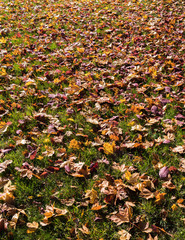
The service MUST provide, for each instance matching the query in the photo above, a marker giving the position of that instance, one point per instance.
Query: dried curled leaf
(3, 127)
(32, 227)
(84, 229)
(123, 216)
(4, 165)
(124, 235)
(92, 194)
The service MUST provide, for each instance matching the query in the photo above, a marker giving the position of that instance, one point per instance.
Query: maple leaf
(74, 144)
(159, 197)
(109, 148)
(92, 194)
(120, 217)
(145, 193)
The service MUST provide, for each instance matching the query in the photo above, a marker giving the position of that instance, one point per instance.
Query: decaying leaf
(151, 238)
(50, 212)
(84, 229)
(92, 194)
(178, 149)
(4, 165)
(3, 127)
(7, 196)
(163, 173)
(124, 235)
(146, 193)
(14, 220)
(123, 216)
(32, 227)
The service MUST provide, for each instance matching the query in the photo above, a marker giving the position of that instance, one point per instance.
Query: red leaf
(33, 155)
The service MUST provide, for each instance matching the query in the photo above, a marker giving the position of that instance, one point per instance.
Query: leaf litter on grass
(92, 117)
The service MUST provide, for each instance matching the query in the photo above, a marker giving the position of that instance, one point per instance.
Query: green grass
(71, 50)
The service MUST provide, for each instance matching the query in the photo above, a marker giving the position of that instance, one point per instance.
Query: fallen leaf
(92, 194)
(84, 230)
(159, 197)
(163, 173)
(4, 165)
(120, 217)
(32, 227)
(124, 235)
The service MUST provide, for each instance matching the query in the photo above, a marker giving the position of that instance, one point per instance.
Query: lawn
(92, 120)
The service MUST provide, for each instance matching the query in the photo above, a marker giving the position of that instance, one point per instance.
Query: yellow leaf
(174, 207)
(127, 175)
(32, 82)
(40, 157)
(46, 140)
(92, 194)
(74, 144)
(80, 50)
(159, 198)
(2, 40)
(132, 123)
(109, 148)
(3, 72)
(32, 227)
(56, 81)
(70, 119)
(48, 214)
(122, 100)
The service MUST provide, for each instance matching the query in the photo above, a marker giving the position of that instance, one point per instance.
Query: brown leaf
(120, 217)
(4, 165)
(92, 194)
(124, 235)
(182, 165)
(168, 185)
(151, 238)
(32, 227)
(60, 212)
(144, 227)
(68, 202)
(178, 149)
(97, 206)
(25, 172)
(14, 220)
(145, 193)
(84, 229)
(2, 224)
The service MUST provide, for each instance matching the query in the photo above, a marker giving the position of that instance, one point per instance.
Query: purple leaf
(163, 173)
